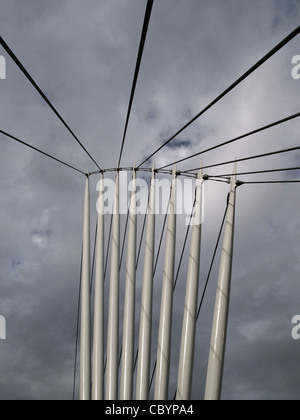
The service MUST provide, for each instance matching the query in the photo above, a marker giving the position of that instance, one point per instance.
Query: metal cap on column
(220, 320)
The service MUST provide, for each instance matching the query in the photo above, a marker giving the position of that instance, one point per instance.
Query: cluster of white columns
(92, 377)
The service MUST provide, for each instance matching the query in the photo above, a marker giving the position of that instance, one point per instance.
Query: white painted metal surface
(186, 360)
(220, 321)
(85, 326)
(98, 337)
(144, 354)
(165, 325)
(126, 386)
(113, 308)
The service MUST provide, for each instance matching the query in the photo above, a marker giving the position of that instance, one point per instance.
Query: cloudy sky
(83, 54)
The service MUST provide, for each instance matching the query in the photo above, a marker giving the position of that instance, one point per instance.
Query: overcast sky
(83, 54)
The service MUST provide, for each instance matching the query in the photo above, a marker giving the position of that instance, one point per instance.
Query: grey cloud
(82, 53)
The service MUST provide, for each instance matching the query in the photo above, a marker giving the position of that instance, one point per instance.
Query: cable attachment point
(239, 183)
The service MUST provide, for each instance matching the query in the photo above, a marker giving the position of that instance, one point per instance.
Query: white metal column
(165, 325)
(129, 305)
(220, 321)
(85, 327)
(98, 341)
(144, 354)
(186, 360)
(113, 310)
